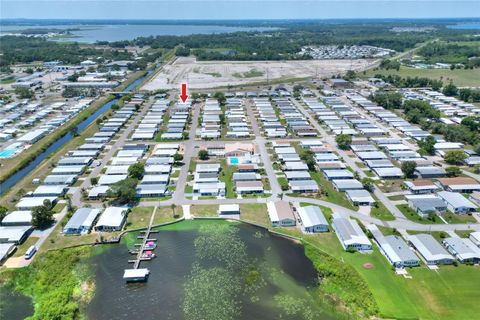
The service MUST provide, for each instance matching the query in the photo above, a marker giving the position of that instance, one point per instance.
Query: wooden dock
(145, 240)
(145, 237)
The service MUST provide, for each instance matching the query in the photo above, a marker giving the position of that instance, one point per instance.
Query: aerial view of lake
(93, 33)
(210, 270)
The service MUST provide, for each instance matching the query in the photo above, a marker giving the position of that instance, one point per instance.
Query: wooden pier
(130, 274)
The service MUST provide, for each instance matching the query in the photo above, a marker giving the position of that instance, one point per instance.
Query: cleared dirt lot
(212, 74)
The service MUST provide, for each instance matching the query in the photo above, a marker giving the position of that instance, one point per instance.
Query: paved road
(330, 139)
(190, 151)
(77, 194)
(192, 145)
(260, 141)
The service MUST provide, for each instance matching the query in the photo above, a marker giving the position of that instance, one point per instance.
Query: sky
(236, 9)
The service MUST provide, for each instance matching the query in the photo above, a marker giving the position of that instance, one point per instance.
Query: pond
(13, 305)
(209, 270)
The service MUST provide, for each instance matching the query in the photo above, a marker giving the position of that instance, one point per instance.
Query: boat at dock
(147, 255)
(150, 245)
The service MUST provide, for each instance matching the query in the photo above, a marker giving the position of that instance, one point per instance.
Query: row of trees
(27, 49)
(411, 82)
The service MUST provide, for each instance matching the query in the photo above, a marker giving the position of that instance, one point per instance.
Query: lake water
(465, 26)
(93, 33)
(14, 306)
(272, 279)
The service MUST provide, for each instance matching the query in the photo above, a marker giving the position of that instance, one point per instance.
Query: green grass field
(410, 214)
(460, 77)
(381, 212)
(204, 210)
(140, 216)
(255, 212)
(329, 192)
(226, 175)
(448, 293)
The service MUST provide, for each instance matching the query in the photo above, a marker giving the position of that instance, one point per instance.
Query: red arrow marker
(184, 95)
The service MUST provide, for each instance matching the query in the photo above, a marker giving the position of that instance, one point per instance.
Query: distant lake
(93, 33)
(465, 26)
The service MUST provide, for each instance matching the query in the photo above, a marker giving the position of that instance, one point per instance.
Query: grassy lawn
(204, 210)
(449, 293)
(59, 207)
(397, 198)
(458, 218)
(463, 233)
(390, 185)
(370, 173)
(360, 164)
(140, 216)
(388, 231)
(188, 189)
(255, 212)
(57, 240)
(21, 249)
(438, 235)
(283, 182)
(175, 174)
(226, 175)
(412, 215)
(327, 212)
(460, 77)
(379, 211)
(329, 192)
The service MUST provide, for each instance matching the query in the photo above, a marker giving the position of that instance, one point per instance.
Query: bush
(341, 280)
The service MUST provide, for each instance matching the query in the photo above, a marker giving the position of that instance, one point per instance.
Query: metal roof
(349, 231)
(312, 216)
(83, 217)
(112, 217)
(456, 200)
(428, 247)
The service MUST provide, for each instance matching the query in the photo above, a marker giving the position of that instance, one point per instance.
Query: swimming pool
(7, 153)
(233, 160)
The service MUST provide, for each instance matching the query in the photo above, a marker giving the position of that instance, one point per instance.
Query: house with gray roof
(349, 233)
(431, 251)
(463, 249)
(312, 219)
(426, 204)
(81, 221)
(456, 202)
(394, 248)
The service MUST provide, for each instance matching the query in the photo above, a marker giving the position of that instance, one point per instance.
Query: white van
(30, 252)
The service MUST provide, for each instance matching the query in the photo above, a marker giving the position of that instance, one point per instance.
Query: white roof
(30, 202)
(135, 273)
(428, 247)
(228, 208)
(349, 231)
(456, 200)
(111, 179)
(13, 234)
(312, 216)
(18, 217)
(112, 217)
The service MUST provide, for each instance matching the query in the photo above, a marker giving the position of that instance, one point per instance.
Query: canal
(17, 176)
